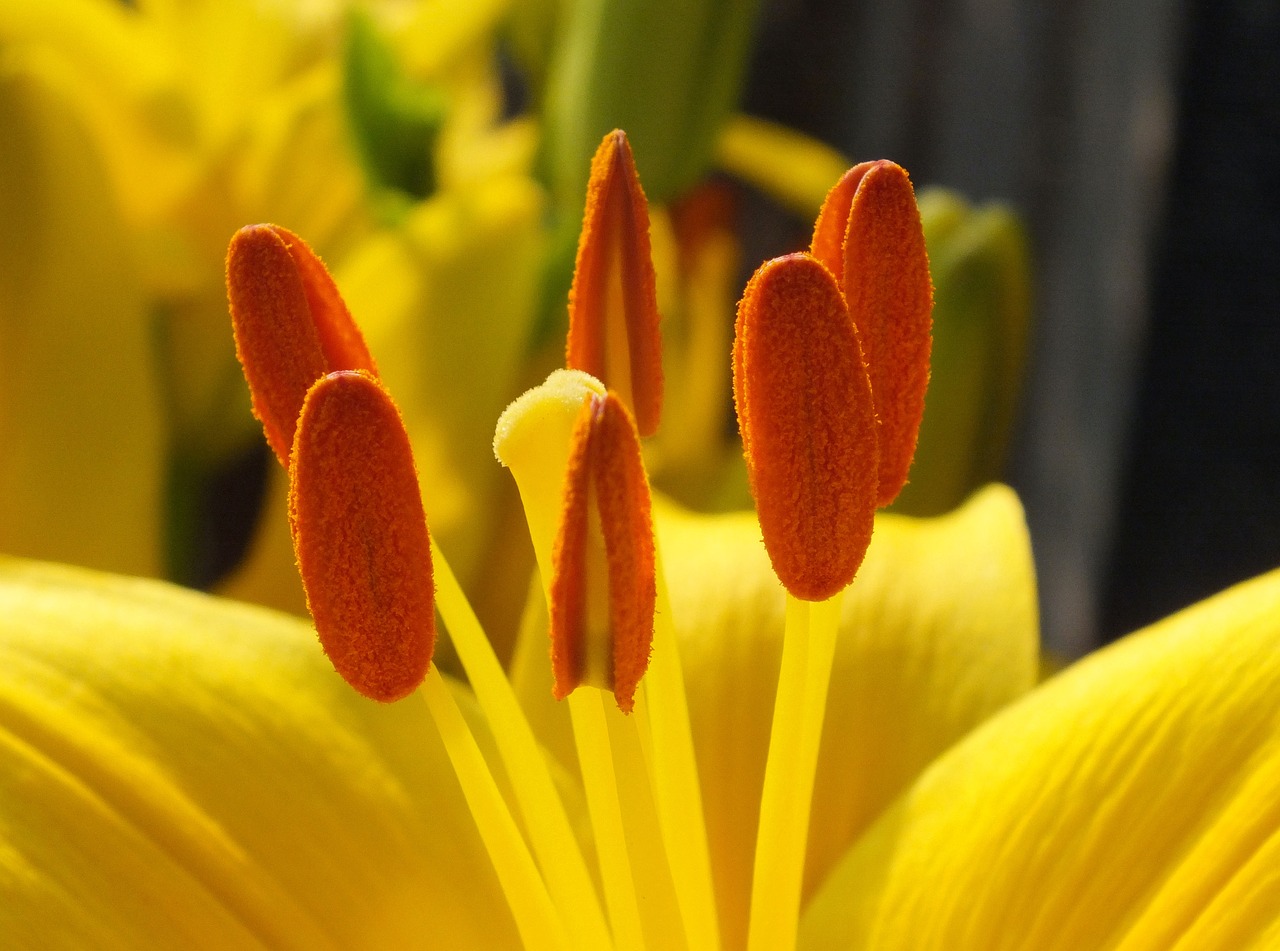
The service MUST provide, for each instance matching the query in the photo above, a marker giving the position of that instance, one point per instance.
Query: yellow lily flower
(187, 772)
(181, 771)
(188, 119)
(367, 562)
(164, 126)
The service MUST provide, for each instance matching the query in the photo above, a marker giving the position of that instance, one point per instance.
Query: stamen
(605, 468)
(622, 492)
(291, 326)
(808, 650)
(540, 923)
(568, 590)
(869, 236)
(833, 221)
(589, 715)
(360, 536)
(805, 412)
(554, 844)
(613, 306)
(674, 773)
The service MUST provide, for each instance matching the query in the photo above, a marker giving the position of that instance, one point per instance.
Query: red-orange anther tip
(833, 221)
(613, 305)
(360, 536)
(622, 492)
(805, 412)
(604, 465)
(869, 234)
(291, 326)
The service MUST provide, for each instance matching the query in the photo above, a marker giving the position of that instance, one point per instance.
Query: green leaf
(394, 120)
(667, 73)
(978, 259)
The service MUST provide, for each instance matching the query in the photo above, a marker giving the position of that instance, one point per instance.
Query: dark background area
(1200, 502)
(1140, 140)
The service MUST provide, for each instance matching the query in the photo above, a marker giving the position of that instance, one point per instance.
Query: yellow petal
(121, 75)
(698, 284)
(1131, 802)
(105, 39)
(437, 34)
(179, 771)
(938, 631)
(227, 53)
(79, 400)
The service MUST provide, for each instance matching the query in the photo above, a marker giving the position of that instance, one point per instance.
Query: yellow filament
(662, 921)
(536, 918)
(595, 758)
(545, 819)
(808, 649)
(673, 773)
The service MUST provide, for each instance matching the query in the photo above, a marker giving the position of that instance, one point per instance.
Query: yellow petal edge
(1131, 802)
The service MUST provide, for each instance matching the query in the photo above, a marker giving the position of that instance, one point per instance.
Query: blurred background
(1140, 140)
(1099, 182)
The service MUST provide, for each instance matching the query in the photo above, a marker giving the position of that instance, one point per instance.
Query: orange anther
(291, 326)
(605, 479)
(833, 221)
(613, 306)
(567, 592)
(360, 536)
(804, 409)
(870, 237)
